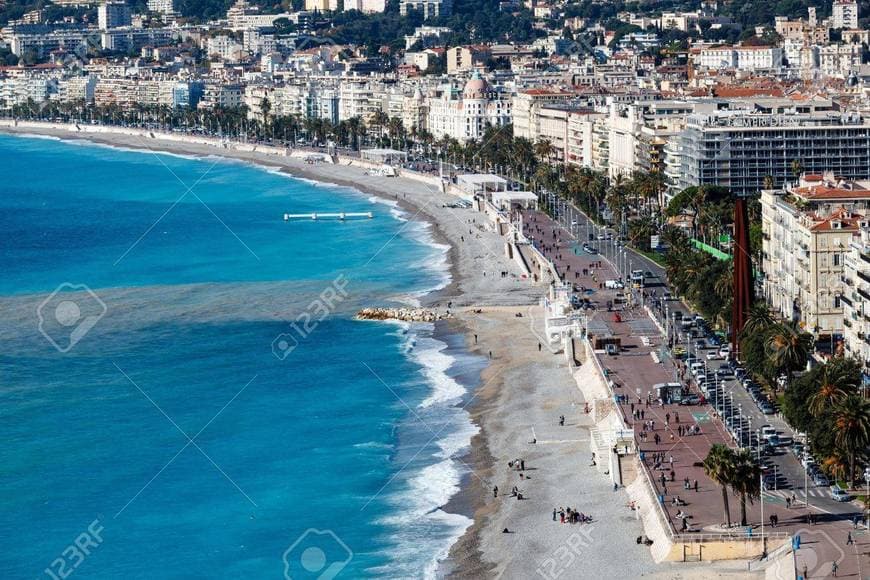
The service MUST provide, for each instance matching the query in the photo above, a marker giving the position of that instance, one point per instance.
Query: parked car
(690, 400)
(838, 494)
(611, 349)
(713, 355)
(821, 481)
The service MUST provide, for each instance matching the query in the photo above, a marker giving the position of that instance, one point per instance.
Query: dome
(475, 88)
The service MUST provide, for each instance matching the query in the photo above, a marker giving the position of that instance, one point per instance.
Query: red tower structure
(743, 287)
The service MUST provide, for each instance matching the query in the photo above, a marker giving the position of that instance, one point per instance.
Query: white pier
(316, 216)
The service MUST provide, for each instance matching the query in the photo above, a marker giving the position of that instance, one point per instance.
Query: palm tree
(788, 348)
(719, 467)
(836, 465)
(759, 319)
(852, 422)
(379, 119)
(747, 480)
(836, 382)
(544, 150)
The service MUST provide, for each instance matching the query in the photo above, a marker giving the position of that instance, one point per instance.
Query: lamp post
(761, 494)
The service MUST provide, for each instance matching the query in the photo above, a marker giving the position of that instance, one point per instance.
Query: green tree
(746, 481)
(852, 422)
(719, 466)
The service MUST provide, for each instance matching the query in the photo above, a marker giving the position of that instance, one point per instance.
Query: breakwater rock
(403, 314)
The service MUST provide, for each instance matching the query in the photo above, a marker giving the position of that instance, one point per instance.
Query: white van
(614, 284)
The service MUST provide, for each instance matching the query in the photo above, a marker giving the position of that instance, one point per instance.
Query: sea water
(183, 390)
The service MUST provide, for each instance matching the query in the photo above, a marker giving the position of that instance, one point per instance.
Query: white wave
(38, 136)
(383, 201)
(424, 532)
(445, 389)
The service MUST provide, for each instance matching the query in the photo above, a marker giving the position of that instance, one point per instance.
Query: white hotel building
(465, 116)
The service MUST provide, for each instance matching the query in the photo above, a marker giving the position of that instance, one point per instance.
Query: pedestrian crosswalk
(779, 495)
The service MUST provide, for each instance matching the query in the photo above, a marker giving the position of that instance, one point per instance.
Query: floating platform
(317, 216)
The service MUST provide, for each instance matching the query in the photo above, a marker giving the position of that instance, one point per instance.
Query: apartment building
(580, 147)
(429, 8)
(133, 39)
(856, 298)
(526, 104)
(113, 14)
(746, 58)
(42, 39)
(844, 14)
(740, 148)
(807, 231)
(162, 6)
(465, 58)
(225, 95)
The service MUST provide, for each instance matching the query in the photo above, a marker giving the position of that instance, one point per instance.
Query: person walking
(554, 514)
(849, 540)
(495, 491)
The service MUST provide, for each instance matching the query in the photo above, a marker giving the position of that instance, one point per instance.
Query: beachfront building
(856, 299)
(465, 116)
(807, 230)
(739, 149)
(483, 184)
(526, 104)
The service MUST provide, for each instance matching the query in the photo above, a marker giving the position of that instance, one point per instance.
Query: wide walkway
(672, 453)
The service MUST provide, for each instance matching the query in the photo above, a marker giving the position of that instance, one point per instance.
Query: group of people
(570, 516)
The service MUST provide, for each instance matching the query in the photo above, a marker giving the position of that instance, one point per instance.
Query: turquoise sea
(183, 390)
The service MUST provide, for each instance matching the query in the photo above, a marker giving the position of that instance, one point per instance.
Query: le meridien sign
(779, 120)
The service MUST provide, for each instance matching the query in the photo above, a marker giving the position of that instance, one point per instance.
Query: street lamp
(761, 482)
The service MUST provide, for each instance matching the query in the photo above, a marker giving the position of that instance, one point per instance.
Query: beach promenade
(671, 455)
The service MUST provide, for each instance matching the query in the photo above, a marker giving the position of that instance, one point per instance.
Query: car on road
(766, 408)
(690, 400)
(839, 494)
(679, 351)
(821, 481)
(613, 284)
(713, 355)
